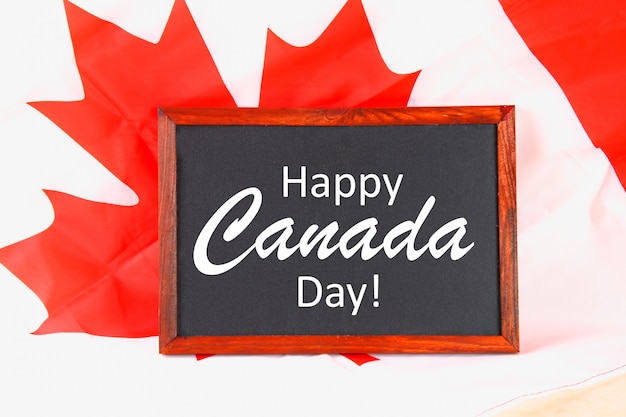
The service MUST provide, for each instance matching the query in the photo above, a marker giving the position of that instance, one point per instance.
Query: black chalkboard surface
(373, 230)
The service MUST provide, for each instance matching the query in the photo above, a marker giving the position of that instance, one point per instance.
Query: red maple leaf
(96, 267)
(342, 68)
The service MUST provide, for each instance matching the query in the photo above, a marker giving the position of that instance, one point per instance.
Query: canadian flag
(80, 85)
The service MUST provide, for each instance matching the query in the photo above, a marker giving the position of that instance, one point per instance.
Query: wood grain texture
(507, 218)
(338, 344)
(339, 117)
(502, 116)
(167, 213)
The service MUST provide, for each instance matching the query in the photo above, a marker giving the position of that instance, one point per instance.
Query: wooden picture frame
(172, 341)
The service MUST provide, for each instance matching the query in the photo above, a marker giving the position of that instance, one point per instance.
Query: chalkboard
(337, 230)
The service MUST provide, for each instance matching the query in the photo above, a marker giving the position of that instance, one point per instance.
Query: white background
(571, 220)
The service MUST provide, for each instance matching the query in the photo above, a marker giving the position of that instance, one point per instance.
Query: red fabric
(96, 267)
(583, 45)
(360, 358)
(342, 68)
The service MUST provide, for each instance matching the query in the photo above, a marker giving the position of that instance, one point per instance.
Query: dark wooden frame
(503, 116)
